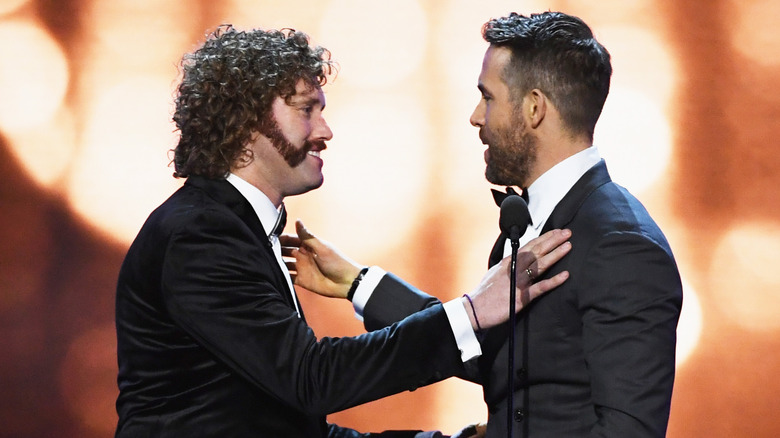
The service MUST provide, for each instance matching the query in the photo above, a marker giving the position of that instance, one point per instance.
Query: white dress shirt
(550, 188)
(268, 215)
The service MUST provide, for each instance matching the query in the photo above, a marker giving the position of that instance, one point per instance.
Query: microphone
(513, 221)
(514, 217)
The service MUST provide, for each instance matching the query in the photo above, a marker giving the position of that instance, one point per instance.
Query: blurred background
(690, 126)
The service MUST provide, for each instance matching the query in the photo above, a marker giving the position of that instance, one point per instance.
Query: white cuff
(467, 341)
(365, 289)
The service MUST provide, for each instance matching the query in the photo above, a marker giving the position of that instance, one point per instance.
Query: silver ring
(530, 273)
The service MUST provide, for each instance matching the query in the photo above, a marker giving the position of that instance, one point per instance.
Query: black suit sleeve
(218, 285)
(393, 300)
(630, 300)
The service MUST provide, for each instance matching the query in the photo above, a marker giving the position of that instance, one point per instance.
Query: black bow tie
(497, 253)
(499, 196)
(281, 221)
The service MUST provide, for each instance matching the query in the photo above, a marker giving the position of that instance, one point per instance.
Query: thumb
(303, 233)
(309, 242)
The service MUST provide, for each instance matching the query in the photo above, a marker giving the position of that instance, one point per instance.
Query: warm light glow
(141, 34)
(755, 34)
(634, 132)
(458, 404)
(273, 14)
(127, 86)
(87, 379)
(641, 60)
(8, 6)
(374, 169)
(121, 172)
(634, 138)
(458, 52)
(376, 43)
(690, 325)
(46, 154)
(744, 279)
(33, 76)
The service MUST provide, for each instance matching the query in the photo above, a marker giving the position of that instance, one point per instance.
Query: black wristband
(355, 283)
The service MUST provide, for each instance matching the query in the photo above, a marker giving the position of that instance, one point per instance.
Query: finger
(289, 240)
(303, 232)
(547, 284)
(541, 265)
(547, 242)
(291, 265)
(545, 253)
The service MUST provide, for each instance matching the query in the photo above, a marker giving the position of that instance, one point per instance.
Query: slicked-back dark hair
(227, 88)
(557, 54)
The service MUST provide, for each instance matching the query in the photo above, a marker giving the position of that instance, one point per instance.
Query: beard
(512, 151)
(291, 154)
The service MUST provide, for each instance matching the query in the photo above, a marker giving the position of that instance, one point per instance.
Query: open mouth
(314, 153)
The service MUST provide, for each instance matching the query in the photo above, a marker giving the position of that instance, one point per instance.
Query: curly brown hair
(227, 88)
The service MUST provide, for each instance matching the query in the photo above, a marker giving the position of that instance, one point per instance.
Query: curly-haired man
(212, 341)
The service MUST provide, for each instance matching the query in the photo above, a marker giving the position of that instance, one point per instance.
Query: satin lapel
(564, 212)
(497, 253)
(224, 193)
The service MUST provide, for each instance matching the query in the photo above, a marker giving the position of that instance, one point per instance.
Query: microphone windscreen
(514, 213)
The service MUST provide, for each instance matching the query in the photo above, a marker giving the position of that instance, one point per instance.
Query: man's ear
(246, 155)
(244, 158)
(535, 107)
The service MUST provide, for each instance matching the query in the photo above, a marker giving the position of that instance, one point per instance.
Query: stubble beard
(512, 152)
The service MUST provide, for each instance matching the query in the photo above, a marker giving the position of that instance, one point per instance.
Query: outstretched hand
(491, 297)
(319, 266)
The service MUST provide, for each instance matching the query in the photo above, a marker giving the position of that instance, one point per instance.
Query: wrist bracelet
(355, 283)
(474, 312)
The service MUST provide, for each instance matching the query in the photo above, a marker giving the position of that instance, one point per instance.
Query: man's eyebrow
(482, 89)
(305, 100)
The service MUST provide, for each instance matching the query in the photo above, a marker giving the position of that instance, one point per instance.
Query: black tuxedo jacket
(210, 345)
(596, 356)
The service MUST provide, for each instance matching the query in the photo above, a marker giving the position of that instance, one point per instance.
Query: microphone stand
(514, 239)
(513, 222)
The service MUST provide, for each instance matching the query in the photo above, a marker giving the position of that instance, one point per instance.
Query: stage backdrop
(690, 127)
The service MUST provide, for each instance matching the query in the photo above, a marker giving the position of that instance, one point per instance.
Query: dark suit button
(521, 372)
(519, 415)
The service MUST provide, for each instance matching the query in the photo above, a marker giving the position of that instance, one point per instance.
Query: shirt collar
(550, 188)
(260, 203)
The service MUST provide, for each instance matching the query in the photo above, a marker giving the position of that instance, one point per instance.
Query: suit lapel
(564, 212)
(497, 253)
(224, 193)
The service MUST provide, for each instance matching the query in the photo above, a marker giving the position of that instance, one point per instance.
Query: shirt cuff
(366, 287)
(467, 341)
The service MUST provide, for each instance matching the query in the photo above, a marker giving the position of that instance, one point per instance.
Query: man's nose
(477, 118)
(322, 131)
